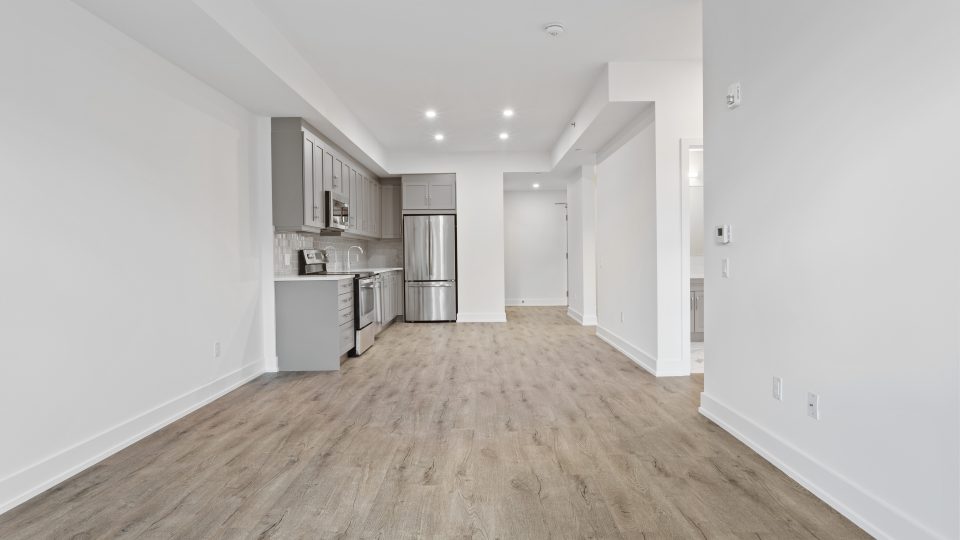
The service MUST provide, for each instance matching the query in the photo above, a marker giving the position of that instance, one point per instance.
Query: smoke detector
(554, 29)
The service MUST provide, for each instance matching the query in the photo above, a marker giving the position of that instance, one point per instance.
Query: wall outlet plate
(734, 95)
(813, 405)
(778, 388)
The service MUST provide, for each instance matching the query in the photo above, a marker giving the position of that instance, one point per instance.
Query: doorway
(694, 228)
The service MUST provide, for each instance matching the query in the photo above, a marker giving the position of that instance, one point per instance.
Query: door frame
(686, 144)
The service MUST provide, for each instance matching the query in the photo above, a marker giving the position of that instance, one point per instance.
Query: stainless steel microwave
(338, 211)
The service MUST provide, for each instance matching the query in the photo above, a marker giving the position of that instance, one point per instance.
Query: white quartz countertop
(335, 277)
(311, 278)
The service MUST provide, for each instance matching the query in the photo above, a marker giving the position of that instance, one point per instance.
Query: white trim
(660, 368)
(272, 364)
(482, 317)
(560, 301)
(685, 146)
(37, 478)
(874, 515)
(585, 320)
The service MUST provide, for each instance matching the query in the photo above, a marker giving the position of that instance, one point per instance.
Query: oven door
(366, 302)
(338, 211)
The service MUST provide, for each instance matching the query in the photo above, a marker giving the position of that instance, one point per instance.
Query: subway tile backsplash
(376, 253)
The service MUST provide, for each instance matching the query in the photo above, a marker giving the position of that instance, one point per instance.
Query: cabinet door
(368, 207)
(337, 176)
(388, 212)
(312, 197)
(377, 201)
(441, 197)
(355, 198)
(698, 311)
(415, 194)
(327, 171)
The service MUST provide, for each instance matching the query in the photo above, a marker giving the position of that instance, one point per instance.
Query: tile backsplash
(376, 253)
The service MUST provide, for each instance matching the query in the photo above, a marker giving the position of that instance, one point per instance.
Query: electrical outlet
(778, 388)
(621, 316)
(725, 267)
(216, 350)
(813, 405)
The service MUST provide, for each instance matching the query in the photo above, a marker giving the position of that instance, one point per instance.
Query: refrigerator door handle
(429, 248)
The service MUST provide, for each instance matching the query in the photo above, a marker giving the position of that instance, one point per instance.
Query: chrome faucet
(348, 255)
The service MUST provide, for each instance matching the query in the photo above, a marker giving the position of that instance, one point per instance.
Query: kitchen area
(353, 253)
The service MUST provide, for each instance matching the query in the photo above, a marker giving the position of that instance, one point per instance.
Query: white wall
(581, 235)
(131, 232)
(676, 90)
(835, 174)
(627, 246)
(535, 248)
(480, 262)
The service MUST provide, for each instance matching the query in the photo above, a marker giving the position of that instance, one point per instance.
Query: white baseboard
(660, 368)
(562, 301)
(482, 317)
(37, 478)
(585, 320)
(272, 365)
(877, 517)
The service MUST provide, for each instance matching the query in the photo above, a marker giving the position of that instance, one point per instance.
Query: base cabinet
(315, 328)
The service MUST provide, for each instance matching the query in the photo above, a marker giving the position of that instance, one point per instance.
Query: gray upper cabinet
(415, 194)
(305, 166)
(297, 170)
(390, 211)
(429, 192)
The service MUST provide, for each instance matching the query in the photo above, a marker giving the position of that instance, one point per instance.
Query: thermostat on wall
(723, 234)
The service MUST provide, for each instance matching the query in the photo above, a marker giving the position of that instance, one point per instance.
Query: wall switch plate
(621, 316)
(813, 405)
(778, 388)
(725, 267)
(216, 350)
(734, 96)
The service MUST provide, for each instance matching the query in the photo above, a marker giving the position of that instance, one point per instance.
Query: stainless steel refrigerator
(430, 267)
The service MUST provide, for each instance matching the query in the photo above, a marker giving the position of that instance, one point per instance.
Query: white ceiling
(388, 61)
(546, 181)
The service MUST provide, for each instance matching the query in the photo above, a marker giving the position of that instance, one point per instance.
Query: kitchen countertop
(335, 277)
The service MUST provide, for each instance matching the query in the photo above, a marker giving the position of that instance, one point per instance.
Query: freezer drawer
(431, 301)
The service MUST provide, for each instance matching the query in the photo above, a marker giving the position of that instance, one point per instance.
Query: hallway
(531, 429)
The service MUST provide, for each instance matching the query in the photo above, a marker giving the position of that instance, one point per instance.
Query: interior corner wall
(535, 248)
(837, 174)
(626, 247)
(581, 235)
(131, 231)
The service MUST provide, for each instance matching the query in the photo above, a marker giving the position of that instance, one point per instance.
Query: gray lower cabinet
(696, 309)
(391, 297)
(315, 329)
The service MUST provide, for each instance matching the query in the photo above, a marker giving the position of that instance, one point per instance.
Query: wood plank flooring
(530, 429)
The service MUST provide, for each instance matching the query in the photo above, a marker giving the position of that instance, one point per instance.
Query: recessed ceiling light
(430, 113)
(508, 113)
(438, 137)
(504, 136)
(536, 186)
(554, 29)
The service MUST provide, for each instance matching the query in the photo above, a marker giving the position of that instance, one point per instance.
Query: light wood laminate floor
(530, 429)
